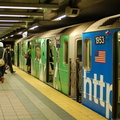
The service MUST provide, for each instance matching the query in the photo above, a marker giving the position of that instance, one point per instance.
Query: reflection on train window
(65, 52)
(79, 50)
(87, 54)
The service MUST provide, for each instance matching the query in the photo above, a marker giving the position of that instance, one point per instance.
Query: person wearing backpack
(3, 54)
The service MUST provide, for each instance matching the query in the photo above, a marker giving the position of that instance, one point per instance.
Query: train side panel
(97, 72)
(42, 64)
(16, 54)
(61, 76)
(23, 47)
(36, 49)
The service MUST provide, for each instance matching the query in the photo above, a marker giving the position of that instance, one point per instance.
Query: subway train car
(81, 61)
(68, 49)
(20, 48)
(101, 67)
(54, 55)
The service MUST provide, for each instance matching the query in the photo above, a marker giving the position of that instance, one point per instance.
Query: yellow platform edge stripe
(74, 108)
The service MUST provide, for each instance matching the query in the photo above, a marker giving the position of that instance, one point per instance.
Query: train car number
(100, 40)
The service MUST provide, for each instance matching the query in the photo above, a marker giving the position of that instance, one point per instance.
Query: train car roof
(50, 33)
(77, 30)
(24, 39)
(111, 22)
(47, 34)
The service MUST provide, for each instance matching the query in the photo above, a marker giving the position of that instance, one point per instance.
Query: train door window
(79, 50)
(66, 52)
(87, 54)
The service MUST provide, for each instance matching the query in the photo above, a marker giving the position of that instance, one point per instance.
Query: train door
(49, 62)
(43, 68)
(22, 51)
(37, 57)
(116, 77)
(28, 63)
(16, 54)
(17, 49)
(61, 76)
(75, 69)
(79, 70)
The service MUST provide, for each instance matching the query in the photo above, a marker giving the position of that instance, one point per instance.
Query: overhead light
(24, 34)
(13, 15)
(19, 33)
(11, 35)
(34, 27)
(59, 18)
(13, 7)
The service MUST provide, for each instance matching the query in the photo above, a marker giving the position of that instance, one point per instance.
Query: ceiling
(18, 16)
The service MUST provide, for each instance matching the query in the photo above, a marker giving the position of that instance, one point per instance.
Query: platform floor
(23, 97)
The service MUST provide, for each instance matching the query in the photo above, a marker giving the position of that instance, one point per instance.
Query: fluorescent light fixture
(13, 15)
(59, 18)
(13, 7)
(11, 35)
(34, 27)
(25, 34)
(20, 33)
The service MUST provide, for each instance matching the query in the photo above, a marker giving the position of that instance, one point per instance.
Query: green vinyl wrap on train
(61, 66)
(40, 61)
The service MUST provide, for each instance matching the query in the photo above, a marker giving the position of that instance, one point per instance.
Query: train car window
(79, 50)
(87, 54)
(110, 21)
(66, 52)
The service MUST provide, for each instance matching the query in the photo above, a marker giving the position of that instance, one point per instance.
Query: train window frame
(77, 46)
(87, 54)
(65, 46)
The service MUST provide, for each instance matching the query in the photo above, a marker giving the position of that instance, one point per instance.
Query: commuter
(28, 63)
(9, 54)
(3, 54)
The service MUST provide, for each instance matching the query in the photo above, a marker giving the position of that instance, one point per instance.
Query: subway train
(82, 61)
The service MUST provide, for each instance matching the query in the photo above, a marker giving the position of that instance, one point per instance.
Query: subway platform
(23, 97)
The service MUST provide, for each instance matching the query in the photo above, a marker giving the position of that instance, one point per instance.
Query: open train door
(75, 73)
(49, 62)
(79, 71)
(116, 76)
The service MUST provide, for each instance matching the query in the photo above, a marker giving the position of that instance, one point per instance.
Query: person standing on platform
(9, 54)
(3, 54)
